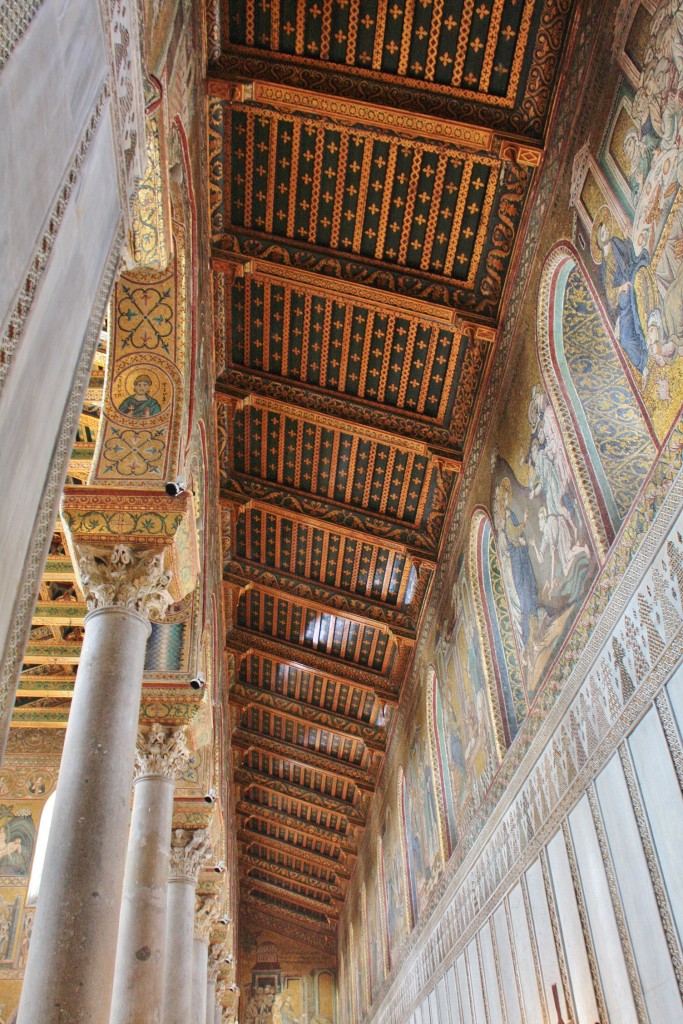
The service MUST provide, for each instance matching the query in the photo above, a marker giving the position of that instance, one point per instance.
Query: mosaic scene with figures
(341, 644)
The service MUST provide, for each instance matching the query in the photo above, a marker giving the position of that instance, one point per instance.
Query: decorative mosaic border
(17, 15)
(42, 531)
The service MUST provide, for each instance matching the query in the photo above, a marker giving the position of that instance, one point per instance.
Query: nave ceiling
(369, 167)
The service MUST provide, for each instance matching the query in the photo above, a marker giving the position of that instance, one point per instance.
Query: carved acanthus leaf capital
(189, 852)
(161, 751)
(126, 577)
(205, 916)
(218, 951)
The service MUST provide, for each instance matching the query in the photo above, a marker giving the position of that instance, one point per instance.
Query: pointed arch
(507, 696)
(395, 871)
(611, 445)
(439, 749)
(408, 869)
(381, 898)
(367, 958)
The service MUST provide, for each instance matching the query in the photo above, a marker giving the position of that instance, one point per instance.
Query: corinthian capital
(161, 751)
(126, 577)
(205, 916)
(217, 954)
(189, 851)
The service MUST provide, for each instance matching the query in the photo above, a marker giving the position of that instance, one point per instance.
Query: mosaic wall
(277, 985)
(28, 778)
(581, 452)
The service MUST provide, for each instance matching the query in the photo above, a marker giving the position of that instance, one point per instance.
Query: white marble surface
(601, 918)
(48, 89)
(640, 906)
(572, 934)
(39, 383)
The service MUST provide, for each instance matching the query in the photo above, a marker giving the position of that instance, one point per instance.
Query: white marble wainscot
(569, 900)
(71, 101)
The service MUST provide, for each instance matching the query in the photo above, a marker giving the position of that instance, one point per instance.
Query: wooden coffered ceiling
(369, 166)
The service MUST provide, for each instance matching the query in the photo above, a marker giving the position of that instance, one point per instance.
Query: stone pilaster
(189, 851)
(138, 982)
(70, 969)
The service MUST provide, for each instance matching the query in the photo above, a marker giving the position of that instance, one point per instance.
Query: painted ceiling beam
(272, 889)
(249, 739)
(378, 301)
(342, 425)
(248, 777)
(59, 613)
(63, 652)
(310, 933)
(247, 837)
(324, 903)
(243, 641)
(299, 877)
(233, 79)
(262, 812)
(372, 736)
(58, 569)
(320, 598)
(239, 381)
(417, 557)
(237, 489)
(338, 602)
(46, 686)
(50, 717)
(288, 914)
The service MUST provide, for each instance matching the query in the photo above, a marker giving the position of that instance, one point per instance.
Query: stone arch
(507, 698)
(610, 451)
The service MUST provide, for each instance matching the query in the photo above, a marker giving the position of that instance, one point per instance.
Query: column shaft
(210, 1001)
(179, 949)
(138, 982)
(200, 964)
(70, 969)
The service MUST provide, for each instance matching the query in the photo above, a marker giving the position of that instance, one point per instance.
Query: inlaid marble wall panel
(660, 792)
(637, 897)
(442, 1001)
(603, 924)
(524, 954)
(510, 993)
(452, 996)
(463, 987)
(572, 937)
(489, 976)
(434, 1007)
(475, 981)
(546, 953)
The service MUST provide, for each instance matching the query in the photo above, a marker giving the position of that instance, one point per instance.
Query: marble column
(189, 851)
(205, 917)
(139, 974)
(217, 954)
(70, 969)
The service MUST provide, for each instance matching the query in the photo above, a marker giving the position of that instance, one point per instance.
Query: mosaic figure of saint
(140, 405)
